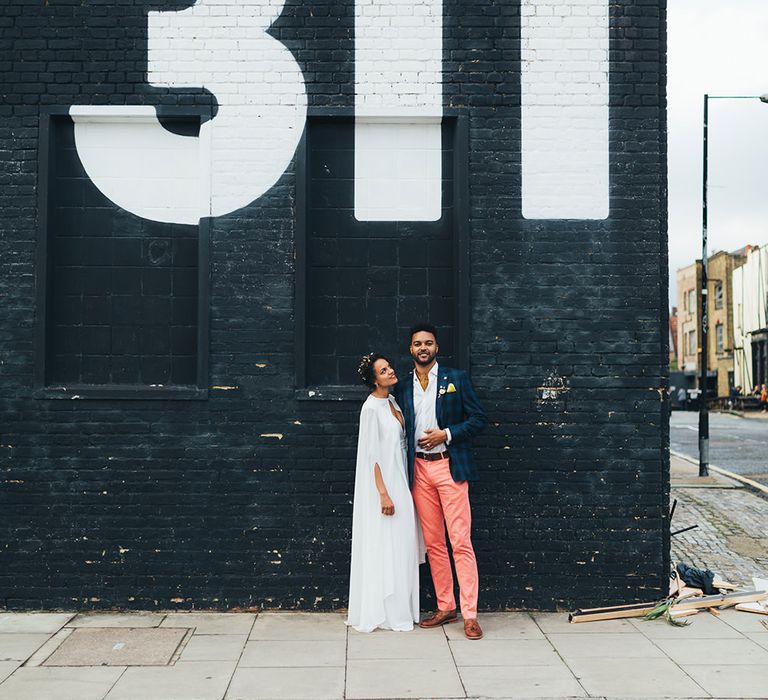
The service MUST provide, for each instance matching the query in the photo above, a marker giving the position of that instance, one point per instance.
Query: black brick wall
(244, 499)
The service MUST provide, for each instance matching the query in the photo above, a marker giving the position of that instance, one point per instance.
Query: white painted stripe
(565, 148)
(398, 74)
(398, 169)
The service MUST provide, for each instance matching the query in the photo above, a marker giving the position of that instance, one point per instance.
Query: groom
(442, 415)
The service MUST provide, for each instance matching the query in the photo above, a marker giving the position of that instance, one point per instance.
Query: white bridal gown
(384, 576)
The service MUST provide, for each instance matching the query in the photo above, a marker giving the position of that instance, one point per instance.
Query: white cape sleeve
(370, 581)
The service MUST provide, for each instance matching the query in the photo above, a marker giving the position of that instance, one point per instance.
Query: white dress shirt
(424, 408)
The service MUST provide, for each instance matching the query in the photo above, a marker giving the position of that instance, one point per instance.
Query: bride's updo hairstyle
(365, 368)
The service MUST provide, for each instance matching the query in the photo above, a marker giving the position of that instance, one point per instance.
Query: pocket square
(451, 388)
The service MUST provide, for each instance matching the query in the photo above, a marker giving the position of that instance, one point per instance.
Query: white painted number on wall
(223, 46)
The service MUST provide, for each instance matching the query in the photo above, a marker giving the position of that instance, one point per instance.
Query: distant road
(737, 444)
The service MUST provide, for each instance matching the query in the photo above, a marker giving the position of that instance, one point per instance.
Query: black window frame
(461, 258)
(41, 390)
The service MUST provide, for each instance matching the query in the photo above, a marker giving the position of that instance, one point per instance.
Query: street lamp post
(704, 352)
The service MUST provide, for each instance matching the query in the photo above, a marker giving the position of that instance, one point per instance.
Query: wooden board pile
(685, 601)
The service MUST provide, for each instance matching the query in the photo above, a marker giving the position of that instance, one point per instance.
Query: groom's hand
(432, 437)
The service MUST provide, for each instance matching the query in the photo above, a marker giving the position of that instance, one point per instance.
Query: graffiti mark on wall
(223, 46)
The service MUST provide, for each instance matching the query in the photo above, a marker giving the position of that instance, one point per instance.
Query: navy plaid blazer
(459, 411)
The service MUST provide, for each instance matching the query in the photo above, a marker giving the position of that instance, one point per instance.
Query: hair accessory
(365, 363)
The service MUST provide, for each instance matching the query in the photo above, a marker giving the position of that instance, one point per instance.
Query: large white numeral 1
(223, 46)
(398, 109)
(564, 55)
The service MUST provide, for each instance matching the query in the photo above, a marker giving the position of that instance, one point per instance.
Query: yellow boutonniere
(451, 388)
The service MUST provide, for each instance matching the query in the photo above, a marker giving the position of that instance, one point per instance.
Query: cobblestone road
(732, 537)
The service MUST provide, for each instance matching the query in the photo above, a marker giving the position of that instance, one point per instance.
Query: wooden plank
(752, 608)
(723, 600)
(618, 612)
(614, 614)
(724, 585)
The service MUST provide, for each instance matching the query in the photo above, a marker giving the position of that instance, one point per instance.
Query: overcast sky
(719, 47)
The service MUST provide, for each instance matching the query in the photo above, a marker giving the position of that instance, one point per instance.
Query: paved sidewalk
(295, 656)
(313, 655)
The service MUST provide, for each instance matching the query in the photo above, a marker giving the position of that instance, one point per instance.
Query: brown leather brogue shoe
(441, 617)
(472, 629)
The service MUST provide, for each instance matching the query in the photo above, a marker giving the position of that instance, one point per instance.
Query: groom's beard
(423, 362)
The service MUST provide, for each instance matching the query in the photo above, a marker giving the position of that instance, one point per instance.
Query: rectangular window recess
(122, 307)
(361, 284)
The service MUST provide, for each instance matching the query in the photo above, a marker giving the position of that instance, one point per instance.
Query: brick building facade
(210, 209)
(720, 311)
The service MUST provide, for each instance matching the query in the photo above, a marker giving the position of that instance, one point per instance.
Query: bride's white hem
(380, 626)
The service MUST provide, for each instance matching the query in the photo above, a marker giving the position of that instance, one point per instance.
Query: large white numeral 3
(221, 45)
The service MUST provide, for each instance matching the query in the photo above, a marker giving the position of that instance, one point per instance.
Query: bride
(384, 575)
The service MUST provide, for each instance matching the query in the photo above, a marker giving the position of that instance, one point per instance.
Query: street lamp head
(764, 97)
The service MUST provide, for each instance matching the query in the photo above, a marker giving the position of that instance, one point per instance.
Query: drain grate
(116, 646)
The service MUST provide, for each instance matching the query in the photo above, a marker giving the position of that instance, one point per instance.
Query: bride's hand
(387, 507)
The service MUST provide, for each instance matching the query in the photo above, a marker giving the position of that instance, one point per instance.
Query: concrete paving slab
(515, 625)
(745, 681)
(59, 683)
(503, 652)
(16, 646)
(760, 638)
(724, 652)
(520, 681)
(214, 647)
(33, 622)
(211, 623)
(131, 619)
(557, 623)
(634, 678)
(414, 678)
(117, 647)
(192, 680)
(399, 645)
(605, 646)
(290, 654)
(39, 657)
(703, 626)
(744, 622)
(312, 627)
(7, 668)
(277, 684)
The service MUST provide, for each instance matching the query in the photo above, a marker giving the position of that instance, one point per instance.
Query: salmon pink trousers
(441, 501)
